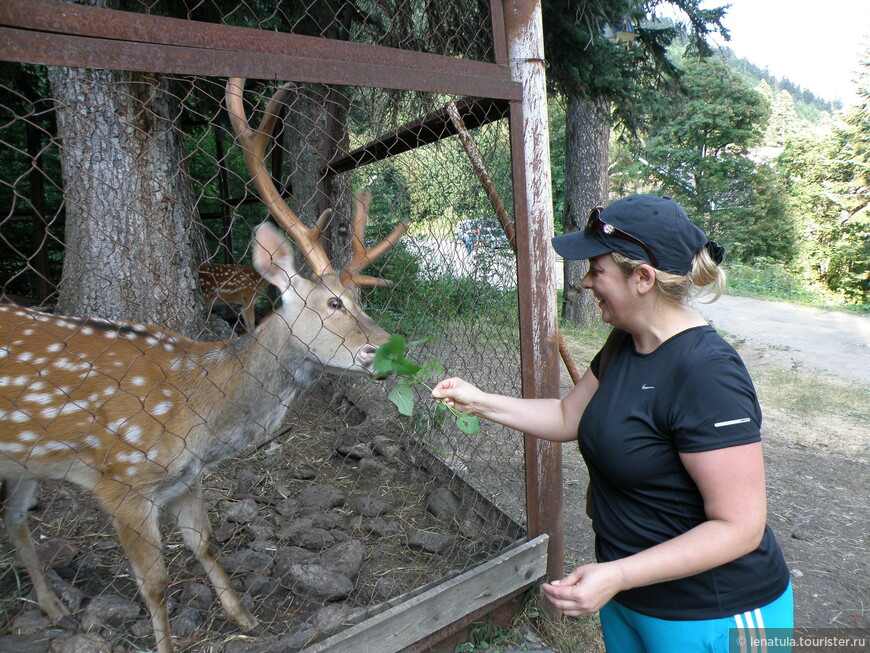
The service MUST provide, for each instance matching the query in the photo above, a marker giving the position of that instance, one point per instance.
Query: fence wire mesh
(115, 188)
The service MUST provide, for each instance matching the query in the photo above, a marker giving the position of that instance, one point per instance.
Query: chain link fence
(116, 187)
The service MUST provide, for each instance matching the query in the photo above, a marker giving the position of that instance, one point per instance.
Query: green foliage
(769, 278)
(483, 637)
(829, 186)
(426, 306)
(28, 162)
(390, 359)
(697, 152)
(627, 75)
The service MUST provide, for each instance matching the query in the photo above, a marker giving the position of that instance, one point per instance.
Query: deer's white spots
(50, 412)
(27, 436)
(115, 426)
(41, 398)
(12, 447)
(72, 407)
(138, 381)
(111, 335)
(24, 356)
(92, 441)
(18, 416)
(54, 347)
(133, 434)
(130, 457)
(162, 408)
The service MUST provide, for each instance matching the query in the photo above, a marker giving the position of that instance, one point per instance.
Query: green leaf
(402, 395)
(468, 423)
(432, 368)
(422, 341)
(388, 354)
(405, 367)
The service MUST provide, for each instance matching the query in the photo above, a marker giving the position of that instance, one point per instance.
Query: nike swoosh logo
(647, 387)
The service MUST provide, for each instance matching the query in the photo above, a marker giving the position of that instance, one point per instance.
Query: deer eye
(335, 303)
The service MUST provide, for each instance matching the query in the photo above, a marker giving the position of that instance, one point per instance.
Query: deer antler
(253, 142)
(362, 256)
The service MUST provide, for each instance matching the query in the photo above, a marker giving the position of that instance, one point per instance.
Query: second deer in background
(232, 284)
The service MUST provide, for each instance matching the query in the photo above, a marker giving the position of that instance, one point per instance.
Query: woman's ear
(646, 278)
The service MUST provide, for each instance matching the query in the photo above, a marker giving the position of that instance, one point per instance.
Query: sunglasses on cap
(595, 223)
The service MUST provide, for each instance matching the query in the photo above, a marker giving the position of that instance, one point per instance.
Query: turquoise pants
(763, 630)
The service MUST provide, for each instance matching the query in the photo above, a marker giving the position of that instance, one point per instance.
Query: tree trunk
(317, 127)
(587, 144)
(133, 241)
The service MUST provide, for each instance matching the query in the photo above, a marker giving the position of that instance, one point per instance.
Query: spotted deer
(137, 414)
(232, 284)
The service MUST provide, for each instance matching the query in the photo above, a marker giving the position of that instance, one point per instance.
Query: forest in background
(773, 173)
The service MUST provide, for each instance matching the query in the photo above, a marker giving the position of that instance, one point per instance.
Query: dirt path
(815, 339)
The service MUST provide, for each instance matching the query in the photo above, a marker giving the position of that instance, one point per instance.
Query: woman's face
(610, 287)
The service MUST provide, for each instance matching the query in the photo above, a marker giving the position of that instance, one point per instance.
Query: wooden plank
(62, 50)
(52, 33)
(409, 622)
(51, 16)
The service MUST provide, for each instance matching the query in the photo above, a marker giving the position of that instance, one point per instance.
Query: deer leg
(136, 520)
(249, 316)
(17, 497)
(192, 518)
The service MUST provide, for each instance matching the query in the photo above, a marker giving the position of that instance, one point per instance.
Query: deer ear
(273, 256)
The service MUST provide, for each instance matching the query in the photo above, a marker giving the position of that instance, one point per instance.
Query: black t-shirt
(691, 394)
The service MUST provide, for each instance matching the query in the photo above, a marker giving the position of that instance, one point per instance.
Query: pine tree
(603, 81)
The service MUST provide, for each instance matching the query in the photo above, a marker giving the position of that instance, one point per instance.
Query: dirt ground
(817, 461)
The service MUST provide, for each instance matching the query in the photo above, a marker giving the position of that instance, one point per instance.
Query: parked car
(481, 232)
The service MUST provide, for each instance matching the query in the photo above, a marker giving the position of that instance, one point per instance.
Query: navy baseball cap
(649, 228)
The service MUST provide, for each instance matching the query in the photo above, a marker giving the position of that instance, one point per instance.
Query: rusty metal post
(533, 208)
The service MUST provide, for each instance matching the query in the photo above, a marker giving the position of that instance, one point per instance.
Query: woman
(671, 437)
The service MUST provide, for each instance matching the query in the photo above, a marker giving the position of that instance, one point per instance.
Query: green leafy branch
(391, 359)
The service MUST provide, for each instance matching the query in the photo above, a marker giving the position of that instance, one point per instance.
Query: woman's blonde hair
(705, 277)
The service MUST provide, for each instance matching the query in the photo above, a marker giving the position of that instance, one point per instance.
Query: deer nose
(367, 353)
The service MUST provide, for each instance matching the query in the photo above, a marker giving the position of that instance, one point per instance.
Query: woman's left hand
(586, 589)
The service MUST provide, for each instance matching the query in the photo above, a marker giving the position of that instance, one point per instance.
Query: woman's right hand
(459, 394)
